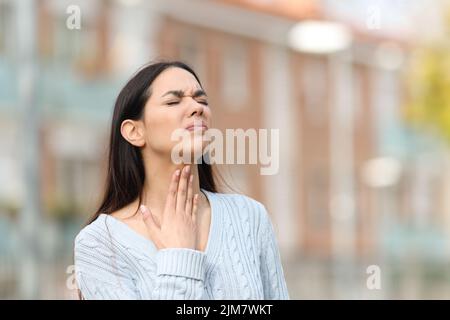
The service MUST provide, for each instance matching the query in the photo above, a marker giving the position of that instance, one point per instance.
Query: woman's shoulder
(241, 199)
(242, 205)
(93, 229)
(101, 235)
(238, 198)
(108, 233)
(96, 254)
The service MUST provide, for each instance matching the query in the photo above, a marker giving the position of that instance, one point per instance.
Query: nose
(196, 108)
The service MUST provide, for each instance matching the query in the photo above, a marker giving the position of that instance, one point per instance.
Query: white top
(241, 260)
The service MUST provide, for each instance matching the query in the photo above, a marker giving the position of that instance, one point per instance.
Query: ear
(134, 132)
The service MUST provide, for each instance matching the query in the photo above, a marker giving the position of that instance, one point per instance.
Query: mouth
(197, 126)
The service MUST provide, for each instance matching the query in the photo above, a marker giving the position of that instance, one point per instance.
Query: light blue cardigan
(241, 260)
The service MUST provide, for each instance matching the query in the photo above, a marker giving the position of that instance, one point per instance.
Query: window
(77, 182)
(77, 168)
(193, 54)
(317, 200)
(7, 28)
(235, 75)
(314, 82)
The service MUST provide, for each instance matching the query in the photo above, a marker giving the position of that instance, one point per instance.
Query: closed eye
(203, 102)
(172, 103)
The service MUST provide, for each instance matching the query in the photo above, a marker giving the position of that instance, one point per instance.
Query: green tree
(428, 82)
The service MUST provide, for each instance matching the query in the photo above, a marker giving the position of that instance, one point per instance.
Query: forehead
(174, 79)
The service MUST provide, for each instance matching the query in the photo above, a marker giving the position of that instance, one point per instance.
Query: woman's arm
(272, 274)
(180, 274)
(102, 273)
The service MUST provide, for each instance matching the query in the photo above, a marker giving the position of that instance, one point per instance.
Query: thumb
(148, 218)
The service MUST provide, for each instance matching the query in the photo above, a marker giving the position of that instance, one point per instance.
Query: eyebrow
(180, 93)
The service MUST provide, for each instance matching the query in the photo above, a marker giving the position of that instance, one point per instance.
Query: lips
(197, 126)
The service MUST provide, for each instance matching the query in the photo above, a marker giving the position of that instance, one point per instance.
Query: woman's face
(176, 101)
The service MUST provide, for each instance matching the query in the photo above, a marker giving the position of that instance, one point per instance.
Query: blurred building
(355, 183)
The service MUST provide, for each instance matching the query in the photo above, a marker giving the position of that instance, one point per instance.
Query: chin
(190, 151)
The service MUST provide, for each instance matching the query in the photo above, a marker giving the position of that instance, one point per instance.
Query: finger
(189, 199)
(194, 208)
(182, 189)
(149, 220)
(172, 193)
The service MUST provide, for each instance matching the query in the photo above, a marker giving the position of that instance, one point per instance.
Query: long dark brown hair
(125, 174)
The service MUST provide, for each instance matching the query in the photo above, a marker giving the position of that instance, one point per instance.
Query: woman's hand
(178, 227)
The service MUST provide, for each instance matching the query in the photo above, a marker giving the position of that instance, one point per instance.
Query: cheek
(160, 126)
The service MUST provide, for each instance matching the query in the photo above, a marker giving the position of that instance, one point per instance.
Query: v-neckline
(212, 221)
(143, 240)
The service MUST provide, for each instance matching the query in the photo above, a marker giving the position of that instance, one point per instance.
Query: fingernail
(142, 208)
(177, 173)
(188, 169)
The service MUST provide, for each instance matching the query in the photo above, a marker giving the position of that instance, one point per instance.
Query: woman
(162, 230)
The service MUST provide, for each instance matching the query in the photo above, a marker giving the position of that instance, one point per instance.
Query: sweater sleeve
(180, 274)
(274, 283)
(102, 272)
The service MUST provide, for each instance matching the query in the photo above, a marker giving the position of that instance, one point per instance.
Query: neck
(158, 174)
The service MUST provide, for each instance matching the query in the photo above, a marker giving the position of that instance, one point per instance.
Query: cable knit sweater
(241, 259)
